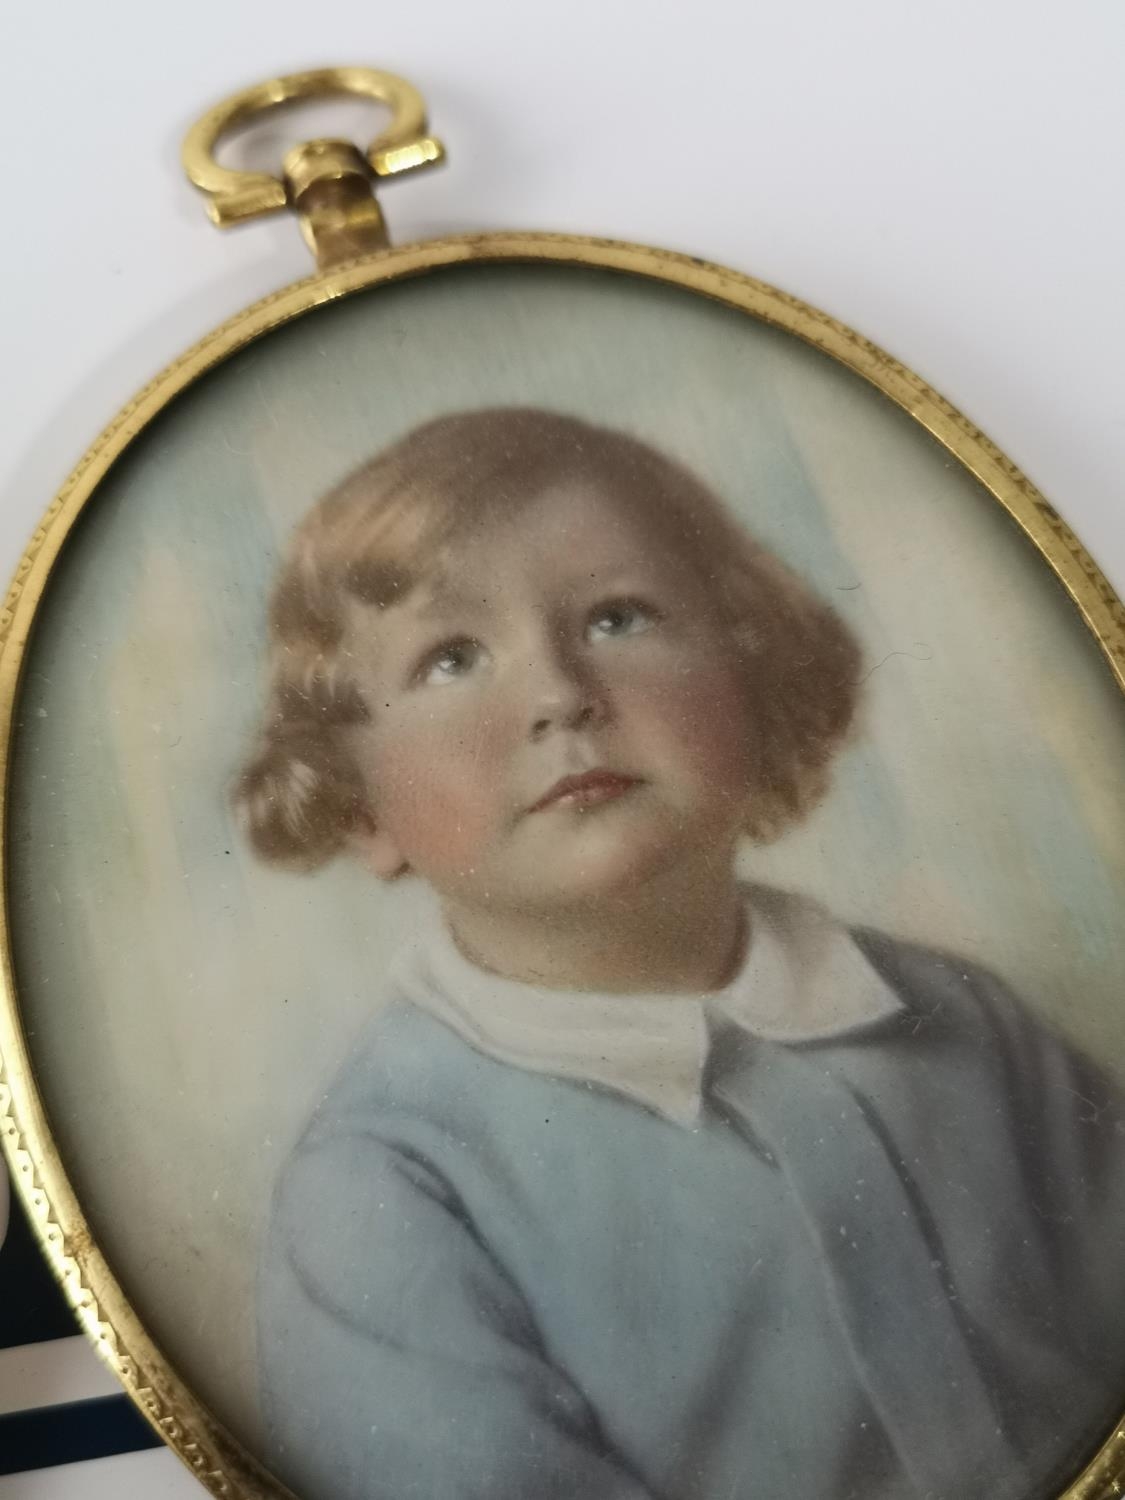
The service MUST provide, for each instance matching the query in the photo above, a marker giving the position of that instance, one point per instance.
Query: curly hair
(370, 539)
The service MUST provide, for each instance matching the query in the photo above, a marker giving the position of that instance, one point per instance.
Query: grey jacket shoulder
(1064, 1111)
(930, 981)
(950, 999)
(949, 995)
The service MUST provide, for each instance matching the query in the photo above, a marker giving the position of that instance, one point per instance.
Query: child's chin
(604, 872)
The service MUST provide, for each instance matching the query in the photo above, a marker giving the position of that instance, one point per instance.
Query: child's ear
(377, 850)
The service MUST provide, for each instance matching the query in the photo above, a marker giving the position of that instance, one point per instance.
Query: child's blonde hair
(378, 532)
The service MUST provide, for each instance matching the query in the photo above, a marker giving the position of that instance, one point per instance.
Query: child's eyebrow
(441, 596)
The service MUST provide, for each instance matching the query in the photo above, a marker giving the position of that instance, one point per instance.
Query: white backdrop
(946, 180)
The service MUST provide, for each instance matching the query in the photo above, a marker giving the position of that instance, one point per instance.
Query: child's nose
(565, 694)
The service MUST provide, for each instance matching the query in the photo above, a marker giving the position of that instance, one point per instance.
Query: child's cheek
(437, 784)
(700, 715)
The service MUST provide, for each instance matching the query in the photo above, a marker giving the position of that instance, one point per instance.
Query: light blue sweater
(890, 1265)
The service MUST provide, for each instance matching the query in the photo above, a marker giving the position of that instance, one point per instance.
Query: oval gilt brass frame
(39, 1174)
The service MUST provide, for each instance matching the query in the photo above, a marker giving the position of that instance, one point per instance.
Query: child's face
(557, 713)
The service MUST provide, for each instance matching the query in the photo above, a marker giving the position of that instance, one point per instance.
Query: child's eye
(620, 617)
(449, 661)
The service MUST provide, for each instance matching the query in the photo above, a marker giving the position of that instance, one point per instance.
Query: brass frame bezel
(212, 1454)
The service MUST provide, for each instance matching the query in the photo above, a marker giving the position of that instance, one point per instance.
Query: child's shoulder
(956, 1005)
(403, 1062)
(391, 1123)
(926, 989)
(929, 980)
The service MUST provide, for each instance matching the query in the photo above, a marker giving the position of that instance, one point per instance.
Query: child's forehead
(552, 525)
(563, 536)
(561, 547)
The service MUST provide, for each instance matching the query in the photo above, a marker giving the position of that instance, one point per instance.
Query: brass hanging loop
(329, 183)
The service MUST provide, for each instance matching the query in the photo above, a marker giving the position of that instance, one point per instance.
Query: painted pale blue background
(187, 1006)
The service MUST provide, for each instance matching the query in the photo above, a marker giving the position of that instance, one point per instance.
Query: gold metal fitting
(328, 182)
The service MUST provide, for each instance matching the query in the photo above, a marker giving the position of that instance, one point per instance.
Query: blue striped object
(32, 1306)
(68, 1434)
(37, 1432)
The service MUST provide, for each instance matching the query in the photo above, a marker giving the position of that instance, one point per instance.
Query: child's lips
(587, 789)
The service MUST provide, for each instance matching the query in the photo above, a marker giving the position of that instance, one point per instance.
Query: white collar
(803, 979)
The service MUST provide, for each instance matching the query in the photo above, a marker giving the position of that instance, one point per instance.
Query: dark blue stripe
(32, 1306)
(69, 1434)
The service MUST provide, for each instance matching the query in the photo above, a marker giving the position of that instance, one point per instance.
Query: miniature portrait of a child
(645, 1181)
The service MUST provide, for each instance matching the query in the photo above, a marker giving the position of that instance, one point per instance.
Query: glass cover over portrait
(593, 848)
